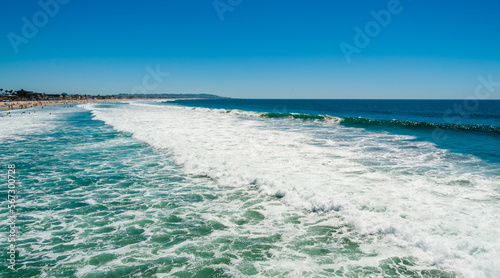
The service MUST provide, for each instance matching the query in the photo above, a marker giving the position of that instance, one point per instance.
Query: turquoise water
(153, 190)
(465, 126)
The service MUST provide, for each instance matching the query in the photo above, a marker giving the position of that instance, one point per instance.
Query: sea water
(262, 188)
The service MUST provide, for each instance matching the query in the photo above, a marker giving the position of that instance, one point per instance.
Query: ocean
(252, 188)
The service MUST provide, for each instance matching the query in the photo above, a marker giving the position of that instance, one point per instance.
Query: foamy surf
(438, 206)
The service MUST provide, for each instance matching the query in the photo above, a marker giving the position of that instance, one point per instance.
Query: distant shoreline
(26, 99)
(22, 104)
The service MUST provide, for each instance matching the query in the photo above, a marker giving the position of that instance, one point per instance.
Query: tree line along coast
(12, 99)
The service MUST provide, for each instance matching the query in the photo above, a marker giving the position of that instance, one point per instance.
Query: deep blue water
(159, 189)
(465, 126)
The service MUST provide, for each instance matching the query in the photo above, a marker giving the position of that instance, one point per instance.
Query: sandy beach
(27, 104)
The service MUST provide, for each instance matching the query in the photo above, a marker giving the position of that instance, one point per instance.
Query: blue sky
(253, 49)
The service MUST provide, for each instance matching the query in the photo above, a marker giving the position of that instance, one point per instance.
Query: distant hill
(206, 96)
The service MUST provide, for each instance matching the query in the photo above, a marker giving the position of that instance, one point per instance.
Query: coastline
(28, 104)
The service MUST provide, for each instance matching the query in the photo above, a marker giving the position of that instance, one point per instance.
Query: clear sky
(251, 49)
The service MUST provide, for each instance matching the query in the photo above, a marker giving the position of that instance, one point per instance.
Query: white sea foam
(441, 207)
(16, 123)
